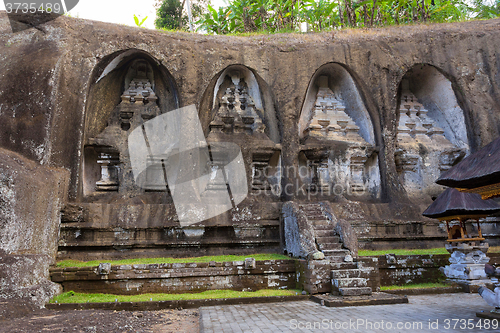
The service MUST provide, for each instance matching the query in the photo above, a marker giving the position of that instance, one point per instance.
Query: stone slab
(373, 299)
(184, 304)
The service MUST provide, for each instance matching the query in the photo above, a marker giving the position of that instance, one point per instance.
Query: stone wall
(31, 197)
(178, 278)
(409, 269)
(62, 82)
(60, 62)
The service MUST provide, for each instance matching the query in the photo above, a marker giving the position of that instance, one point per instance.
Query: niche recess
(238, 107)
(336, 130)
(127, 89)
(431, 133)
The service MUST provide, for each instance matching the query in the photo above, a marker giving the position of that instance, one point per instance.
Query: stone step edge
(184, 304)
(426, 291)
(352, 301)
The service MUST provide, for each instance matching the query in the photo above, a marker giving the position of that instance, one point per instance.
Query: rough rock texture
(25, 279)
(31, 197)
(344, 229)
(298, 233)
(54, 66)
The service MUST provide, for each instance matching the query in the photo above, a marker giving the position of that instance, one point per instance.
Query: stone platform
(377, 298)
(177, 277)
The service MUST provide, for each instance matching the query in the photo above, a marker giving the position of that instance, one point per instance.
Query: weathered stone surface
(31, 197)
(178, 278)
(465, 52)
(299, 233)
(24, 280)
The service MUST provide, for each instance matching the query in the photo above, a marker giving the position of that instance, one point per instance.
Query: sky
(117, 11)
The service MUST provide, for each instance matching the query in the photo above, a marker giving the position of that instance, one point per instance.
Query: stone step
(335, 253)
(335, 259)
(310, 207)
(349, 283)
(349, 273)
(327, 239)
(335, 266)
(324, 233)
(355, 291)
(315, 217)
(322, 222)
(329, 246)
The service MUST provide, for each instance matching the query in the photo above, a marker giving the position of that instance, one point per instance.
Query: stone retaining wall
(178, 277)
(401, 270)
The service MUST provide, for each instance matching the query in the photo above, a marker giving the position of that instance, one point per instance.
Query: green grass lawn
(415, 286)
(72, 297)
(138, 261)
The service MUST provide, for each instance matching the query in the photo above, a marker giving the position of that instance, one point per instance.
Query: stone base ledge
(184, 304)
(377, 298)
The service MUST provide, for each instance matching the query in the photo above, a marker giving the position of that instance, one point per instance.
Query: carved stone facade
(238, 118)
(341, 169)
(423, 151)
(237, 113)
(139, 103)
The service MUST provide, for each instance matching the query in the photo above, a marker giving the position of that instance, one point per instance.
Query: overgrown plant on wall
(243, 16)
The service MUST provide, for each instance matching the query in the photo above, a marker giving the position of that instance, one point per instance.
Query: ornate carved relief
(237, 112)
(422, 148)
(330, 123)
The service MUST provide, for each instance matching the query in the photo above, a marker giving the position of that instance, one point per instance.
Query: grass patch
(138, 261)
(72, 297)
(402, 252)
(415, 286)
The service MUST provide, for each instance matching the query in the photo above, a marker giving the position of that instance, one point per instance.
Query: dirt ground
(164, 321)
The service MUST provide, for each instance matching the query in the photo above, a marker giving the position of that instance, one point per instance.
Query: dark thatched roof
(479, 169)
(454, 203)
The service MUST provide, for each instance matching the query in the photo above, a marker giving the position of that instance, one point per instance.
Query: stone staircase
(346, 277)
(349, 280)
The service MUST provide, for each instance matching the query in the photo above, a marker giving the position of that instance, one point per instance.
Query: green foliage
(246, 16)
(72, 297)
(172, 14)
(169, 15)
(138, 261)
(415, 286)
(138, 22)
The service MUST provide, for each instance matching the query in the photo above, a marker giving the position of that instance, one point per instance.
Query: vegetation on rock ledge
(72, 297)
(138, 261)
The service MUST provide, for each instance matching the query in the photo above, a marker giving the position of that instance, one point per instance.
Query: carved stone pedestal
(467, 261)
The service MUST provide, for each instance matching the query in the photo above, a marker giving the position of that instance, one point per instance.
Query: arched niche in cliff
(238, 107)
(338, 137)
(432, 132)
(126, 89)
(242, 81)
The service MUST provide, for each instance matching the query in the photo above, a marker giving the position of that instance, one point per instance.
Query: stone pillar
(108, 161)
(358, 160)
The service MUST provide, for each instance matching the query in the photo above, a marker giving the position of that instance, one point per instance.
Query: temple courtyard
(426, 313)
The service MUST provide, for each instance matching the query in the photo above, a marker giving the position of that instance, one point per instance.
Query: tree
(320, 15)
(169, 15)
(172, 14)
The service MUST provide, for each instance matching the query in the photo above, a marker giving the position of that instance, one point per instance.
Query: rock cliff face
(31, 197)
(333, 104)
(47, 75)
